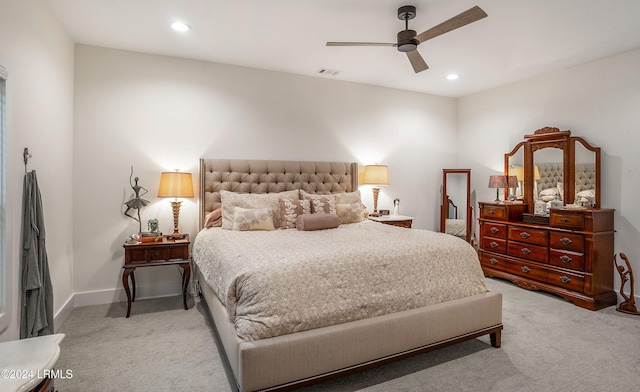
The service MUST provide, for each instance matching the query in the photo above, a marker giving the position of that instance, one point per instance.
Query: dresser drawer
(567, 259)
(494, 230)
(529, 270)
(566, 241)
(494, 245)
(567, 280)
(528, 251)
(494, 212)
(568, 219)
(528, 235)
(493, 261)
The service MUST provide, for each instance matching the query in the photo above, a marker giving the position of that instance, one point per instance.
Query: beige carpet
(547, 345)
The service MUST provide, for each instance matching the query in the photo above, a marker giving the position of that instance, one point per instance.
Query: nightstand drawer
(494, 230)
(528, 251)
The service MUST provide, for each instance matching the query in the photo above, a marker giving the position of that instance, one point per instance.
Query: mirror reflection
(585, 176)
(515, 163)
(548, 174)
(455, 214)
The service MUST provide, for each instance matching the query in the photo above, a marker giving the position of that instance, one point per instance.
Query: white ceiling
(519, 38)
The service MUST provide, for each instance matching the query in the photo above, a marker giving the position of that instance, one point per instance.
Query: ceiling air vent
(330, 72)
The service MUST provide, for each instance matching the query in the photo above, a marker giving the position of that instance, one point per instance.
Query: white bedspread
(284, 281)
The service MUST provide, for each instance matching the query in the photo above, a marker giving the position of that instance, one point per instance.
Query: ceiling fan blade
(469, 16)
(359, 44)
(417, 62)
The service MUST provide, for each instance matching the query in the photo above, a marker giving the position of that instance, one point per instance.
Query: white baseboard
(102, 297)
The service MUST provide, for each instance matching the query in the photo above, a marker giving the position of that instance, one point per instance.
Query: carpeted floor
(547, 345)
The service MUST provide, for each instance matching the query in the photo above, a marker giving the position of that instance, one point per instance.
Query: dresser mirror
(552, 164)
(514, 161)
(455, 209)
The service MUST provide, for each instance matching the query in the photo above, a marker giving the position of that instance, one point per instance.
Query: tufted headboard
(550, 175)
(585, 176)
(265, 176)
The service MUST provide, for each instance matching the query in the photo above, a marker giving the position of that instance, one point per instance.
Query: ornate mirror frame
(549, 137)
(447, 204)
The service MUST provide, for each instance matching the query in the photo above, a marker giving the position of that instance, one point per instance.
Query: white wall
(39, 57)
(598, 101)
(160, 113)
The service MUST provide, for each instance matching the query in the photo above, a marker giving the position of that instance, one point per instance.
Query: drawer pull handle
(492, 212)
(526, 269)
(565, 259)
(565, 241)
(524, 234)
(494, 244)
(526, 251)
(494, 230)
(565, 220)
(493, 261)
(564, 279)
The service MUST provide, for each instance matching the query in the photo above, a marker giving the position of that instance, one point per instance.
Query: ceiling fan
(408, 40)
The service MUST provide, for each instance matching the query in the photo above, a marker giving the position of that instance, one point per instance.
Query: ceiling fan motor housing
(407, 41)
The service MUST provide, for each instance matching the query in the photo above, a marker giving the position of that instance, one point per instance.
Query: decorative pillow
(587, 193)
(348, 197)
(320, 204)
(251, 200)
(252, 219)
(548, 194)
(213, 219)
(349, 213)
(290, 209)
(323, 205)
(317, 222)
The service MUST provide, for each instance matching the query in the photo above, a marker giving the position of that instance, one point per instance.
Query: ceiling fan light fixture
(407, 41)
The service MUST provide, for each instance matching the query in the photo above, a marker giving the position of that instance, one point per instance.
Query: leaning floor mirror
(455, 209)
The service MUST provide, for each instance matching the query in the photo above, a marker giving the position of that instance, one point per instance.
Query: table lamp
(375, 175)
(498, 182)
(175, 184)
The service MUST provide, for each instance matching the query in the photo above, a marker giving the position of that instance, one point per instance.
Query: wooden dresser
(571, 257)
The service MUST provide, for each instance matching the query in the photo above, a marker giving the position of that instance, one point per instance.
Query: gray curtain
(37, 293)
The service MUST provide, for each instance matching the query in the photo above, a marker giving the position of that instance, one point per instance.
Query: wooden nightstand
(151, 254)
(394, 220)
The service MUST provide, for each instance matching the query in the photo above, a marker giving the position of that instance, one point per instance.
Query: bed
(273, 336)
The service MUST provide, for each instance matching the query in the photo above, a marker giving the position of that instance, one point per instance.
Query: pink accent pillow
(214, 218)
(317, 222)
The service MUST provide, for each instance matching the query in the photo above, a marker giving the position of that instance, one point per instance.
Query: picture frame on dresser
(569, 254)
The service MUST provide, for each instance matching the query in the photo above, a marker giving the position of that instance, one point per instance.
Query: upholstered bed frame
(290, 361)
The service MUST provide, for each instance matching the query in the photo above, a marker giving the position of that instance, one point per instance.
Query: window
(4, 317)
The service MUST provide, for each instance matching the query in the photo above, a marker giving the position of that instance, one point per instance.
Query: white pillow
(549, 194)
(245, 219)
(349, 213)
(230, 200)
(587, 193)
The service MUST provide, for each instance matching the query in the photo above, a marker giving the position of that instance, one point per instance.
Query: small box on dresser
(571, 257)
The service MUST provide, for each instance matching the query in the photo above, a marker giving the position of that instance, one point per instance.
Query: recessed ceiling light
(180, 26)
(453, 76)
